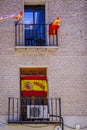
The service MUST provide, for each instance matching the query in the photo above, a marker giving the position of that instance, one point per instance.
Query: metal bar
(56, 107)
(30, 106)
(62, 123)
(28, 34)
(49, 40)
(20, 109)
(19, 33)
(52, 108)
(17, 109)
(43, 107)
(8, 109)
(53, 41)
(57, 38)
(48, 107)
(22, 34)
(16, 34)
(38, 103)
(59, 107)
(13, 109)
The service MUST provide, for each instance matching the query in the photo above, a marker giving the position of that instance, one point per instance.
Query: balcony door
(33, 92)
(34, 19)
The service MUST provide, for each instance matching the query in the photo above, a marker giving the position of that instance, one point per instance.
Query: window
(34, 18)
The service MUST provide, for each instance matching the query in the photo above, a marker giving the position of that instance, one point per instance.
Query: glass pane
(40, 27)
(28, 17)
(36, 18)
(39, 17)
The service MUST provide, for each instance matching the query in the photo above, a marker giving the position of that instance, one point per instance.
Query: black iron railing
(34, 35)
(29, 110)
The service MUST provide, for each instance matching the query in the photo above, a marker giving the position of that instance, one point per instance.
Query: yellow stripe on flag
(40, 85)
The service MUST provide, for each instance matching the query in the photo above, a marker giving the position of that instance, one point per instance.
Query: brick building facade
(66, 64)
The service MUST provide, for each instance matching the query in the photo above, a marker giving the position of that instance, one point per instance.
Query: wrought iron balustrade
(29, 110)
(34, 35)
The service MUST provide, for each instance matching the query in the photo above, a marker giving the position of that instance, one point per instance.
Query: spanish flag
(19, 16)
(34, 86)
(15, 16)
(54, 26)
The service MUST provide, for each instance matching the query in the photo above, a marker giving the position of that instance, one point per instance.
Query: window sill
(37, 47)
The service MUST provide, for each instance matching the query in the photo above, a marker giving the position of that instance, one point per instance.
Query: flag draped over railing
(34, 86)
(54, 26)
(15, 16)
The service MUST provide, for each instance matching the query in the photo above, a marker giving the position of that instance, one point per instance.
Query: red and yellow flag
(15, 16)
(54, 26)
(19, 16)
(34, 86)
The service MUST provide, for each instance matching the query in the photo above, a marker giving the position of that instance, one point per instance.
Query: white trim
(37, 47)
(34, 2)
(28, 66)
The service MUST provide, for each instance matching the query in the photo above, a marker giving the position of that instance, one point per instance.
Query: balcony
(34, 36)
(32, 111)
